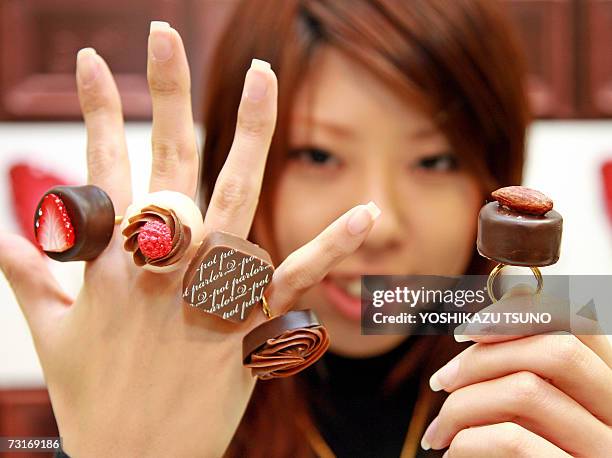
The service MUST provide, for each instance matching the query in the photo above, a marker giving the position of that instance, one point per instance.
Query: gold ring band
(118, 219)
(265, 307)
(497, 269)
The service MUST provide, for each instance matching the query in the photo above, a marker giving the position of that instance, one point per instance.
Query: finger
(35, 288)
(308, 265)
(600, 344)
(502, 440)
(236, 192)
(595, 338)
(521, 313)
(175, 157)
(108, 165)
(527, 400)
(563, 360)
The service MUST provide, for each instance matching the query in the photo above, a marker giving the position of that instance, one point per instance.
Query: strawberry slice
(54, 231)
(28, 183)
(606, 172)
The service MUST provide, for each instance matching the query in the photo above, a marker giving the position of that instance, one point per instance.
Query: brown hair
(457, 59)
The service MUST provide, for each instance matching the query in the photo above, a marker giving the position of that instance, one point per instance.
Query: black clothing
(353, 414)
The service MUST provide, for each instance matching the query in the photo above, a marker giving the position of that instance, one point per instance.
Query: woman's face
(352, 141)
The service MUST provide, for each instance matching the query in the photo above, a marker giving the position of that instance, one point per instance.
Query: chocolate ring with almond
(519, 228)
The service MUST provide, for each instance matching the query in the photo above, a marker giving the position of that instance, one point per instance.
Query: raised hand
(131, 370)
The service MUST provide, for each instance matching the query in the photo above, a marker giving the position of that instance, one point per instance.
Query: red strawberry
(28, 183)
(606, 171)
(155, 240)
(54, 231)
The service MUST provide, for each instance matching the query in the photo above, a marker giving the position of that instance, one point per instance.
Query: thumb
(26, 271)
(520, 289)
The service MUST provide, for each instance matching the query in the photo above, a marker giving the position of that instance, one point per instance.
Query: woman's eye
(314, 156)
(438, 162)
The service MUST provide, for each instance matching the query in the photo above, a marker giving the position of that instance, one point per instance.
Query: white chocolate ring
(175, 210)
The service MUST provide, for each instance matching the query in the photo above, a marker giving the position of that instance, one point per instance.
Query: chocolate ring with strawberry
(74, 223)
(162, 230)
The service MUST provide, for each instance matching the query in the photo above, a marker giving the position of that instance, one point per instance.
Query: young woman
(418, 107)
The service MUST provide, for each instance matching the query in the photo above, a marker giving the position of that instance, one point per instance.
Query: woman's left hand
(541, 395)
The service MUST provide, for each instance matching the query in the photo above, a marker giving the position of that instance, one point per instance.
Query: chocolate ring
(497, 269)
(227, 276)
(285, 345)
(161, 230)
(519, 229)
(74, 223)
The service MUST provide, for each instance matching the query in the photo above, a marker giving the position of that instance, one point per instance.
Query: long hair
(457, 59)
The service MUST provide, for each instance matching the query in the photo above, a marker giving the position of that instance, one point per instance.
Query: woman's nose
(390, 228)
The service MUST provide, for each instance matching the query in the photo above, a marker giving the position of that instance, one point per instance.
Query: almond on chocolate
(523, 200)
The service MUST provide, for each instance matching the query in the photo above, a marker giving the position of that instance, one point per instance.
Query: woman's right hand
(131, 370)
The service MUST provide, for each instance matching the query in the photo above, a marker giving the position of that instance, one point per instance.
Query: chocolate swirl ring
(302, 342)
(181, 235)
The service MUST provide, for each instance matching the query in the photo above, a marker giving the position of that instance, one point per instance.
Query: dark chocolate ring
(497, 269)
(92, 214)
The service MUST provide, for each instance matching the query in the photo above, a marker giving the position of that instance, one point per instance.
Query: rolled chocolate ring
(74, 223)
(497, 269)
(285, 345)
(162, 230)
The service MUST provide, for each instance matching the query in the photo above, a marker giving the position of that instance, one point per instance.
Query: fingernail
(362, 218)
(462, 338)
(445, 376)
(88, 66)
(260, 64)
(477, 329)
(459, 333)
(161, 46)
(429, 434)
(256, 86)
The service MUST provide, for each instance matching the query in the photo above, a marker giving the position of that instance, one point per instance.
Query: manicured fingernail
(256, 86)
(459, 333)
(260, 64)
(161, 46)
(445, 376)
(88, 67)
(478, 329)
(362, 218)
(429, 434)
(462, 338)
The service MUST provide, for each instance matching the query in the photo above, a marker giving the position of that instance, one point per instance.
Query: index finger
(521, 299)
(561, 359)
(234, 199)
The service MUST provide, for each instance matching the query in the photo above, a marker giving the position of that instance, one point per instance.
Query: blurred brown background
(568, 44)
